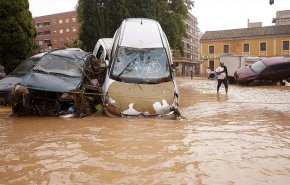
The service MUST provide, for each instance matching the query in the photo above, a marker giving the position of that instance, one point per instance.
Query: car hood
(8, 83)
(46, 82)
(245, 73)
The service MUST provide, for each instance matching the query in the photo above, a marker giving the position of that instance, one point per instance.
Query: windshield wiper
(39, 71)
(61, 74)
(130, 63)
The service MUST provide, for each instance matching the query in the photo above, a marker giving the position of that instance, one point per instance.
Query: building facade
(282, 18)
(189, 60)
(257, 42)
(56, 30)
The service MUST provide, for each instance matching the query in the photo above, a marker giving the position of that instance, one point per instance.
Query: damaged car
(7, 83)
(63, 82)
(268, 70)
(140, 80)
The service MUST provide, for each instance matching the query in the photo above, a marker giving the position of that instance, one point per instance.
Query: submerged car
(62, 82)
(7, 84)
(140, 80)
(272, 69)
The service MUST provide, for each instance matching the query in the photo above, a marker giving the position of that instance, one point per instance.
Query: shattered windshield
(140, 65)
(258, 66)
(53, 64)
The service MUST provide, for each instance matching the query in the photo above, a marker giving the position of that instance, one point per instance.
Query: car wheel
(250, 83)
(288, 80)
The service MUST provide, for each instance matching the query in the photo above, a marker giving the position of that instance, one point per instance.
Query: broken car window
(54, 64)
(143, 65)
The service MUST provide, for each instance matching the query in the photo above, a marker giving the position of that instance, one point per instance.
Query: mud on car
(63, 82)
(139, 79)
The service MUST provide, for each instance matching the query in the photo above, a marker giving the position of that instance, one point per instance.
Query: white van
(139, 79)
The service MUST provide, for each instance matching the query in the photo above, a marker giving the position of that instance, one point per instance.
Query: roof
(275, 60)
(75, 53)
(246, 33)
(141, 33)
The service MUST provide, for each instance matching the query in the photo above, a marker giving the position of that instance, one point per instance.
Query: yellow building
(259, 41)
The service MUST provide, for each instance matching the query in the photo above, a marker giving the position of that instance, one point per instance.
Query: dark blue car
(64, 81)
(7, 83)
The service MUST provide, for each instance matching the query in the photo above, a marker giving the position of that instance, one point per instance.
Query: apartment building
(189, 60)
(257, 41)
(56, 30)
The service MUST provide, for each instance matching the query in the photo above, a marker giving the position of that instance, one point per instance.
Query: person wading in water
(222, 75)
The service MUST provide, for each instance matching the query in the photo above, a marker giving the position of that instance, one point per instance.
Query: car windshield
(54, 64)
(140, 65)
(258, 66)
(24, 67)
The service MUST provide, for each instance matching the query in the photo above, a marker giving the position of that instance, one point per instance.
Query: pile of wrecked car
(127, 75)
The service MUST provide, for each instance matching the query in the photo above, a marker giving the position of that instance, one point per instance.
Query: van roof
(141, 33)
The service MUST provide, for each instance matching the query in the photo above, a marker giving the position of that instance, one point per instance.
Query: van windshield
(133, 65)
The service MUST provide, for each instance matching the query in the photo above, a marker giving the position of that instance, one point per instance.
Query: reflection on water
(239, 138)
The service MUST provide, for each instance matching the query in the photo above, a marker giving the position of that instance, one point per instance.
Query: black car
(7, 83)
(64, 81)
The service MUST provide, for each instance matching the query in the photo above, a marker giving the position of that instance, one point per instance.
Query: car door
(267, 74)
(282, 71)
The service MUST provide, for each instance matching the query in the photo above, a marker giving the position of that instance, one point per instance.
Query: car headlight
(21, 89)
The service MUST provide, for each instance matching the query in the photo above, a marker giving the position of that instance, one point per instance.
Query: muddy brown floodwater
(239, 138)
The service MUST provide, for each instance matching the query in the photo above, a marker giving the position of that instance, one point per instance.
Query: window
(73, 19)
(55, 41)
(60, 21)
(211, 65)
(54, 31)
(211, 50)
(246, 48)
(67, 30)
(286, 45)
(61, 31)
(226, 48)
(263, 46)
(74, 29)
(53, 21)
(66, 20)
(40, 42)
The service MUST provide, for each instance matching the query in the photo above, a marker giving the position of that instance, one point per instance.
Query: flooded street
(239, 138)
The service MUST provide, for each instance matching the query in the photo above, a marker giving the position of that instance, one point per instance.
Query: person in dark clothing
(222, 75)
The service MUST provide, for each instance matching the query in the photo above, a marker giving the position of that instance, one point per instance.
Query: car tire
(288, 80)
(250, 83)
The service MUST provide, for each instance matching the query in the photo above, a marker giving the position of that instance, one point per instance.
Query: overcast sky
(211, 14)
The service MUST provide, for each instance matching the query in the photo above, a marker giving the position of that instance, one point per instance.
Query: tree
(101, 18)
(17, 33)
(91, 18)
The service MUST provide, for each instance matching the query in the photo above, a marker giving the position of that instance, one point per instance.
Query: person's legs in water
(225, 82)
(219, 84)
